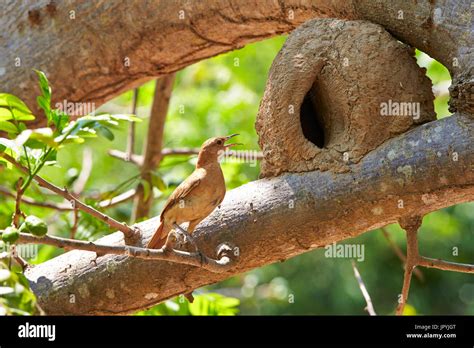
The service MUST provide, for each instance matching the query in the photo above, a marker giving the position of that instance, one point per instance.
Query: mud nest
(337, 90)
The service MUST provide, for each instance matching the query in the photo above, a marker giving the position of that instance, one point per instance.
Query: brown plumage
(197, 196)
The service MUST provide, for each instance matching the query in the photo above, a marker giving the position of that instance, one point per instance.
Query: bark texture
(271, 220)
(92, 51)
(322, 106)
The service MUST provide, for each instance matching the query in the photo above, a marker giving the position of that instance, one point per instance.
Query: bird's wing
(181, 192)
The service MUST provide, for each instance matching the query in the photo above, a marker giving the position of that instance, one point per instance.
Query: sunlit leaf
(158, 182)
(8, 127)
(146, 189)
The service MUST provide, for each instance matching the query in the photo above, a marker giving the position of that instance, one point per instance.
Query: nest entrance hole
(312, 121)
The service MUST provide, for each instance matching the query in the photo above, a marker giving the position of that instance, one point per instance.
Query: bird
(198, 195)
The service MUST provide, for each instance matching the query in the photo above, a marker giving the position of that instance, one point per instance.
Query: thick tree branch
(427, 168)
(93, 51)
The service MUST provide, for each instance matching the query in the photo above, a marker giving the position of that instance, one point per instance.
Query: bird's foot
(187, 239)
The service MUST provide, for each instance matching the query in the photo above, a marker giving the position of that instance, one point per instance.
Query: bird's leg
(187, 237)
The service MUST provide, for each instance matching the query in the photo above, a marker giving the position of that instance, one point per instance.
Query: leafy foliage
(213, 304)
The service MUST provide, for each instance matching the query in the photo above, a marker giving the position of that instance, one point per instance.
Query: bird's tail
(159, 238)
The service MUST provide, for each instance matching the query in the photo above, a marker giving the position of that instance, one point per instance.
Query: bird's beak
(233, 144)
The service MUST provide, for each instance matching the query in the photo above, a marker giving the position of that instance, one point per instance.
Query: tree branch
(131, 129)
(114, 69)
(185, 151)
(153, 144)
(363, 289)
(411, 226)
(224, 262)
(396, 249)
(274, 219)
(106, 203)
(129, 232)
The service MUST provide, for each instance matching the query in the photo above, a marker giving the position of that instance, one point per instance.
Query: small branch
(106, 203)
(445, 265)
(135, 159)
(19, 193)
(21, 261)
(185, 151)
(127, 231)
(123, 197)
(363, 289)
(410, 225)
(220, 265)
(86, 170)
(72, 233)
(396, 249)
(153, 144)
(131, 129)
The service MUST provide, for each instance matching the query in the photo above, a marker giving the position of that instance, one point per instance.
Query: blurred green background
(220, 96)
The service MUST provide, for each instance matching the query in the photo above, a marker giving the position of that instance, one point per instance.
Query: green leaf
(44, 135)
(158, 182)
(44, 100)
(146, 189)
(125, 117)
(104, 131)
(7, 144)
(44, 83)
(44, 104)
(60, 119)
(8, 127)
(12, 107)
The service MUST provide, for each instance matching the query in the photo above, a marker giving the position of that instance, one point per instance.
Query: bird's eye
(219, 142)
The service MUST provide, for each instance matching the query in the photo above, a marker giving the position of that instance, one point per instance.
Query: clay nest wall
(332, 96)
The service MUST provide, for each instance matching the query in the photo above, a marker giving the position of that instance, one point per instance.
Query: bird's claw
(187, 239)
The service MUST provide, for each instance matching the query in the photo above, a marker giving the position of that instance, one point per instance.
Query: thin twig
(413, 259)
(75, 225)
(85, 173)
(222, 264)
(131, 129)
(153, 145)
(185, 151)
(19, 193)
(21, 261)
(445, 265)
(396, 249)
(123, 197)
(128, 231)
(106, 203)
(363, 289)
